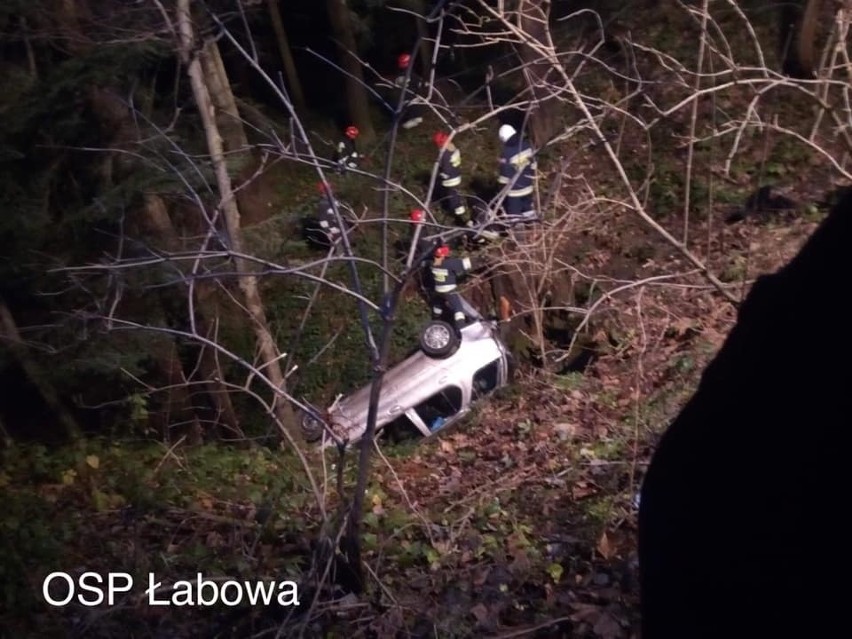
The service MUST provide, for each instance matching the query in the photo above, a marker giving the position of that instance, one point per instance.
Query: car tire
(439, 339)
(312, 428)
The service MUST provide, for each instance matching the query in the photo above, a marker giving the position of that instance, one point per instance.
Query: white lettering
(45, 588)
(288, 588)
(151, 591)
(258, 592)
(99, 593)
(182, 595)
(114, 588)
(224, 587)
(201, 585)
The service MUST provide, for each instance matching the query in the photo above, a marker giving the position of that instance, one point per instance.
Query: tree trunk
(418, 7)
(290, 72)
(228, 120)
(176, 411)
(156, 220)
(10, 335)
(539, 56)
(267, 348)
(357, 102)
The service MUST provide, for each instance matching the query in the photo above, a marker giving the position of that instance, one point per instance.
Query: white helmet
(506, 131)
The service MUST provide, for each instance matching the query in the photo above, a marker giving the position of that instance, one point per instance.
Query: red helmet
(417, 215)
(442, 251)
(352, 132)
(440, 138)
(403, 60)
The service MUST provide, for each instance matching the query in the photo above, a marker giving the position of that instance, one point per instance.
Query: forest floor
(520, 521)
(526, 514)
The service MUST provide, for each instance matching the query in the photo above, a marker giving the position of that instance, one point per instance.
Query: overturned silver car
(429, 390)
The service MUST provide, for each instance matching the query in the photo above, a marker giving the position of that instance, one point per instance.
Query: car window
(439, 408)
(401, 429)
(485, 379)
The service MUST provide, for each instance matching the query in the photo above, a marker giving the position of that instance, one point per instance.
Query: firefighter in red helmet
(449, 177)
(445, 273)
(346, 155)
(410, 89)
(323, 229)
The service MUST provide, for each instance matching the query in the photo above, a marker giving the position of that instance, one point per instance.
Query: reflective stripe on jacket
(446, 275)
(450, 167)
(325, 213)
(346, 151)
(517, 159)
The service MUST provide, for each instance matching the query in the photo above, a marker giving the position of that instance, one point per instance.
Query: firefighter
(445, 273)
(449, 172)
(517, 172)
(325, 229)
(347, 155)
(413, 106)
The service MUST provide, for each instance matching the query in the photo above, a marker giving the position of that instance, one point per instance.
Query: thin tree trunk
(357, 102)
(290, 72)
(10, 335)
(228, 120)
(158, 222)
(538, 57)
(269, 355)
(419, 7)
(177, 410)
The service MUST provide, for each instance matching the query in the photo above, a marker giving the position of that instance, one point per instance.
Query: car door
(439, 410)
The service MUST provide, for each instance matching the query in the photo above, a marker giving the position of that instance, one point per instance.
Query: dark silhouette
(762, 204)
(739, 532)
(798, 22)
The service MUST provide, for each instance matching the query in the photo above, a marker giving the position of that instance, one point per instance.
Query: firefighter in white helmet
(517, 172)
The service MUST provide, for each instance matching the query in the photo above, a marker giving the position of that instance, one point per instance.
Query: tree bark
(297, 95)
(798, 23)
(268, 350)
(177, 411)
(538, 57)
(156, 220)
(357, 102)
(228, 120)
(10, 335)
(419, 7)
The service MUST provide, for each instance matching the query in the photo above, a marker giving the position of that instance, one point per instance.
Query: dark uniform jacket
(413, 106)
(449, 167)
(347, 153)
(517, 159)
(326, 218)
(445, 277)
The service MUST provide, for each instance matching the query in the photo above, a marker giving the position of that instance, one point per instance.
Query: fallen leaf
(446, 446)
(481, 612)
(555, 571)
(480, 576)
(582, 489)
(605, 547)
(93, 462)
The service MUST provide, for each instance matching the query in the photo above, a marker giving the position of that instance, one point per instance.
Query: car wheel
(312, 428)
(439, 339)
